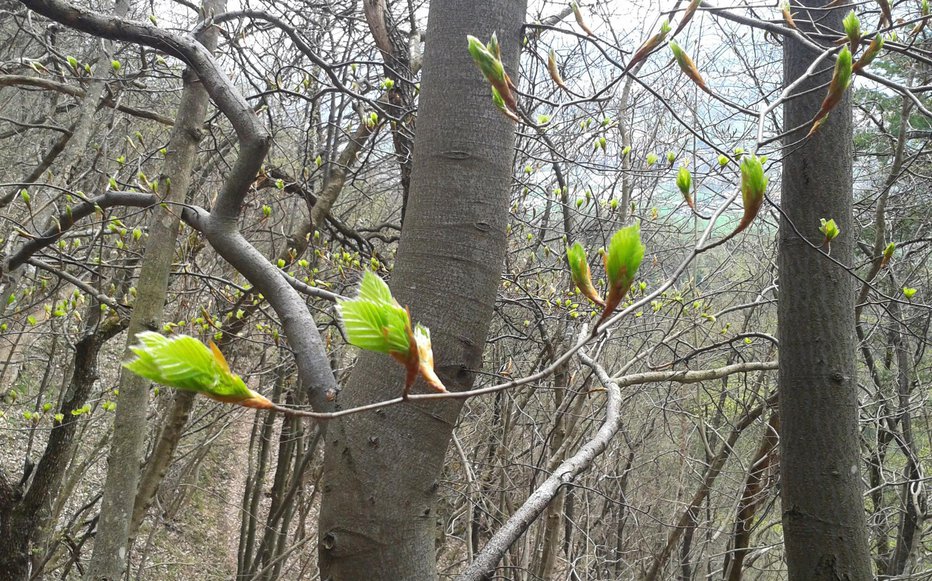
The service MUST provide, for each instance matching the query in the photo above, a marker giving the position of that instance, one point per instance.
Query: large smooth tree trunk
(126, 452)
(824, 522)
(381, 469)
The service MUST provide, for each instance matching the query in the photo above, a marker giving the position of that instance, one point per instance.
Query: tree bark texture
(824, 523)
(381, 469)
(126, 453)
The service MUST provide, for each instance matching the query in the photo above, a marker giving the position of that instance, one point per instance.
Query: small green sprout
(582, 276)
(829, 229)
(684, 181)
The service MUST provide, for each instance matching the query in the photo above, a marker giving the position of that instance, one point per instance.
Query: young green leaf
(582, 276)
(753, 187)
(684, 181)
(852, 27)
(374, 321)
(622, 260)
(649, 45)
(841, 80)
(687, 65)
(494, 72)
(908, 292)
(829, 229)
(887, 254)
(185, 363)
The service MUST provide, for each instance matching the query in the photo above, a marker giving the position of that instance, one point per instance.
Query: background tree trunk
(823, 512)
(126, 453)
(381, 469)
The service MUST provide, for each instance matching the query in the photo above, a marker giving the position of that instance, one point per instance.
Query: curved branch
(67, 219)
(220, 226)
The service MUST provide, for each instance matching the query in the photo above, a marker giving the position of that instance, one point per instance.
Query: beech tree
(501, 290)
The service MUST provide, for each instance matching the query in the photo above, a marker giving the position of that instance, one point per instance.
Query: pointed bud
(622, 260)
(841, 80)
(852, 27)
(687, 16)
(687, 65)
(684, 181)
(787, 15)
(887, 254)
(649, 45)
(753, 187)
(580, 20)
(554, 70)
(869, 55)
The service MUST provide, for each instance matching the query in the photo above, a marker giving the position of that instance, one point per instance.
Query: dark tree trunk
(824, 523)
(380, 477)
(24, 508)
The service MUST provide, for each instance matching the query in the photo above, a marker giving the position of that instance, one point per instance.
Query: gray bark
(381, 469)
(824, 523)
(126, 452)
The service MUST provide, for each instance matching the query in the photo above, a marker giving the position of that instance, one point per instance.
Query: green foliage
(185, 363)
(829, 229)
(753, 181)
(852, 29)
(684, 182)
(624, 256)
(374, 321)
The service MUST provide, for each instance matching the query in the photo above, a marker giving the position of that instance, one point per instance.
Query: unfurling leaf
(841, 80)
(488, 61)
(753, 187)
(651, 159)
(185, 363)
(869, 55)
(908, 292)
(582, 276)
(687, 65)
(649, 45)
(374, 321)
(622, 260)
(554, 71)
(887, 254)
(852, 27)
(829, 229)
(684, 181)
(580, 20)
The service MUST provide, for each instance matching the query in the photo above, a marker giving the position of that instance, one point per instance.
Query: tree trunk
(824, 524)
(381, 469)
(126, 453)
